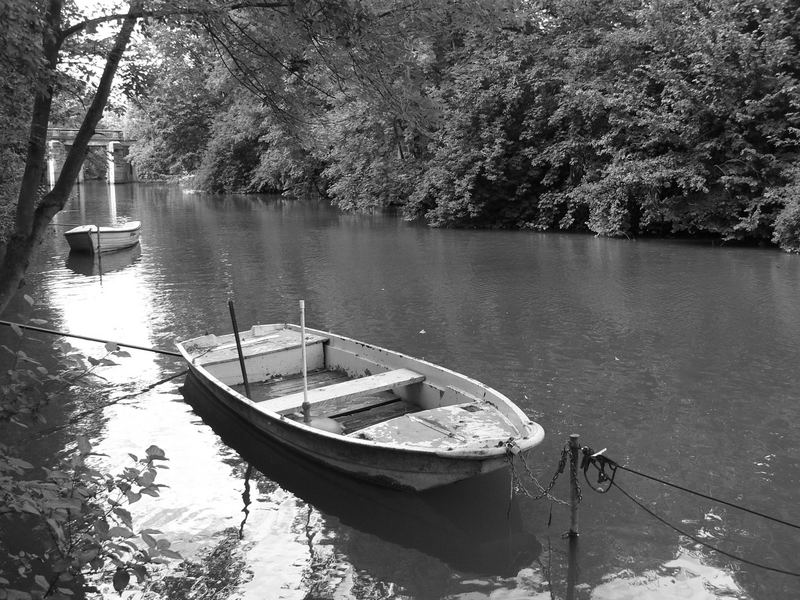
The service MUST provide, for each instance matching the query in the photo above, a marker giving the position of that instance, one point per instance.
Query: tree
(624, 118)
(61, 28)
(34, 210)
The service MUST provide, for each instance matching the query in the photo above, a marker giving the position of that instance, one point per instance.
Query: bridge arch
(120, 169)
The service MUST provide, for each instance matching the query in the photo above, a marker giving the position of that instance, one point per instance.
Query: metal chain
(543, 492)
(573, 469)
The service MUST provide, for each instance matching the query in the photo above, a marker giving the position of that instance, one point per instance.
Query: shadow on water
(472, 526)
(91, 264)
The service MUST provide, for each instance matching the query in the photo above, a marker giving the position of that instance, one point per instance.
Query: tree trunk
(32, 220)
(37, 139)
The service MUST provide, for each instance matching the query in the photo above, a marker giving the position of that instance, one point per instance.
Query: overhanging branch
(157, 14)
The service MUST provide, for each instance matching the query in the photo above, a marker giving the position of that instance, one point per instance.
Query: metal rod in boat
(239, 348)
(306, 406)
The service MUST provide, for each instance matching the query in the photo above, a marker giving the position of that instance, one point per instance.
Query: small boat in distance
(372, 413)
(91, 238)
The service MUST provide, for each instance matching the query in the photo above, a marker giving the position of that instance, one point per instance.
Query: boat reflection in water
(473, 526)
(91, 264)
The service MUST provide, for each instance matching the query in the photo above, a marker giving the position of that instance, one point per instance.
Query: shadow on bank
(473, 526)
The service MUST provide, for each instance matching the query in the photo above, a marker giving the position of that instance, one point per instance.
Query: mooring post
(574, 495)
(572, 568)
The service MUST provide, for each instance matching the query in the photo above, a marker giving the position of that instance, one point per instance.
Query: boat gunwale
(121, 228)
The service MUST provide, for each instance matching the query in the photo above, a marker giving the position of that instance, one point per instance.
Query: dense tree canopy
(617, 117)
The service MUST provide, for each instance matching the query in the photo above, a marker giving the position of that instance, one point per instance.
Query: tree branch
(157, 14)
(54, 201)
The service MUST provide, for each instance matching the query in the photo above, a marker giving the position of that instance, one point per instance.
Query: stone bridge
(120, 169)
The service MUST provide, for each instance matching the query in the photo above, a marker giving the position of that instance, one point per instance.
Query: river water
(682, 359)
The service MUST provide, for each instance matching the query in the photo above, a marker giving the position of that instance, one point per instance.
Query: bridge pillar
(56, 154)
(120, 169)
(82, 172)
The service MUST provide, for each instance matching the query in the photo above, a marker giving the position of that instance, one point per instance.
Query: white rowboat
(375, 414)
(91, 238)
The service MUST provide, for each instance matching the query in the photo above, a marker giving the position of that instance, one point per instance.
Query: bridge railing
(100, 135)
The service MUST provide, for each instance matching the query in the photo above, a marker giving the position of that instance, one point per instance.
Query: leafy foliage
(787, 223)
(619, 117)
(172, 103)
(80, 511)
(83, 533)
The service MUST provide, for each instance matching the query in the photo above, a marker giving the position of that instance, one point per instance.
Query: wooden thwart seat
(345, 390)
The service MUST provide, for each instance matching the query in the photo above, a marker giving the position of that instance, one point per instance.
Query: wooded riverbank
(617, 118)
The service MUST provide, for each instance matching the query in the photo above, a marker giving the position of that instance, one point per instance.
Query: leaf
(16, 329)
(122, 353)
(88, 556)
(84, 447)
(171, 554)
(124, 515)
(63, 503)
(146, 479)
(133, 496)
(19, 463)
(28, 299)
(140, 571)
(101, 527)
(111, 346)
(30, 508)
(120, 532)
(93, 361)
(57, 530)
(121, 580)
(38, 321)
(42, 582)
(149, 540)
(154, 452)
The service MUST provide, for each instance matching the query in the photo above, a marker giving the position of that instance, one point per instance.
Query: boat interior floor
(352, 412)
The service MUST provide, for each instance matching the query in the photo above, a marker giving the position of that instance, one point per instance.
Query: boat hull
(387, 464)
(91, 239)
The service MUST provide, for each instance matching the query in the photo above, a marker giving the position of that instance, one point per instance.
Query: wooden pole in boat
(306, 405)
(574, 490)
(98, 239)
(239, 348)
